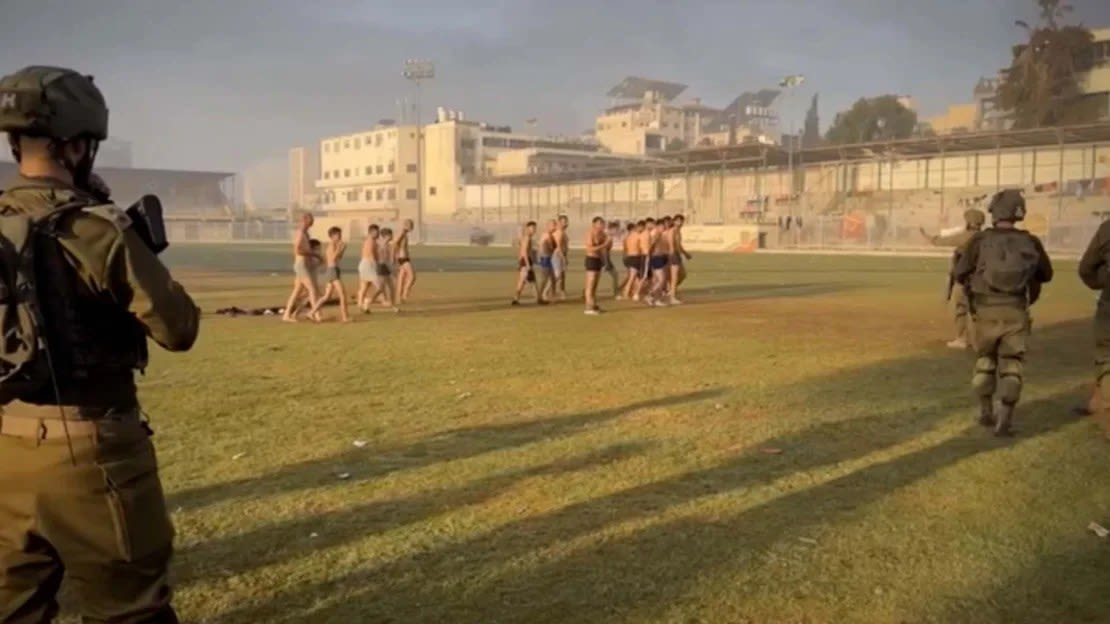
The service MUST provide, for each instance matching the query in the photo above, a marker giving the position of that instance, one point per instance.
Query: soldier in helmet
(80, 495)
(1094, 270)
(1002, 271)
(974, 220)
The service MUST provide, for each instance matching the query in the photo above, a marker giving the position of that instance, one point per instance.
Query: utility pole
(789, 84)
(415, 71)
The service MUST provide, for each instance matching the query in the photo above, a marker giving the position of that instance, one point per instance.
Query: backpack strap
(110, 213)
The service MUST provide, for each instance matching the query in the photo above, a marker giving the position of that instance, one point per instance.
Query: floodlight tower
(417, 70)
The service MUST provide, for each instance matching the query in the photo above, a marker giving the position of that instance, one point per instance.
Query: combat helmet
(1007, 205)
(52, 102)
(974, 217)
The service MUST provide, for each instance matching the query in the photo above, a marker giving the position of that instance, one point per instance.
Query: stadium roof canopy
(634, 88)
(753, 155)
(9, 169)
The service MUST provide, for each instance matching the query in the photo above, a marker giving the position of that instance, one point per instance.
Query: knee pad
(983, 380)
(1009, 388)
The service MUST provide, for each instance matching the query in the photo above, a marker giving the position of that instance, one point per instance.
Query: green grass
(535, 465)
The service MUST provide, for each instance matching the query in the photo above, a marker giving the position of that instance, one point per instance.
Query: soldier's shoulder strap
(110, 213)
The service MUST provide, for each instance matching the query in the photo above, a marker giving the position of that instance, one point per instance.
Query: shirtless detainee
(633, 261)
(304, 273)
(678, 253)
(525, 261)
(333, 276)
(406, 275)
(596, 242)
(612, 233)
(547, 253)
(659, 258)
(559, 258)
(647, 242)
(369, 282)
(386, 263)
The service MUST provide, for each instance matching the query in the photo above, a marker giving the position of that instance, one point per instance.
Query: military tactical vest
(91, 339)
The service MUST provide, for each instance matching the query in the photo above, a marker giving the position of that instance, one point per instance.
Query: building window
(368, 194)
(411, 168)
(412, 135)
(346, 173)
(368, 140)
(335, 174)
(327, 147)
(431, 190)
(380, 194)
(390, 167)
(624, 124)
(368, 170)
(327, 174)
(410, 193)
(378, 169)
(392, 194)
(378, 140)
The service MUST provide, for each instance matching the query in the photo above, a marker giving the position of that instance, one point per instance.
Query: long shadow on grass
(270, 544)
(363, 464)
(644, 573)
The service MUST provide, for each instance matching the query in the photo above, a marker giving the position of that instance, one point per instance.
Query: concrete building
(648, 121)
(304, 170)
(552, 160)
(374, 173)
(983, 114)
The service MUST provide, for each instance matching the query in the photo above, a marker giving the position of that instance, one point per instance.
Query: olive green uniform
(1001, 322)
(81, 496)
(961, 316)
(1094, 270)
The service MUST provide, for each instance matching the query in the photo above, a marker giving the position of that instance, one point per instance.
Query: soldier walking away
(1002, 270)
(973, 222)
(80, 495)
(1094, 270)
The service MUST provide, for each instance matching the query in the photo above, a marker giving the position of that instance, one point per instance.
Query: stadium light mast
(416, 71)
(789, 84)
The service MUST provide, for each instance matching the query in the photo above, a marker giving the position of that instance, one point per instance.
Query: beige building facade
(652, 125)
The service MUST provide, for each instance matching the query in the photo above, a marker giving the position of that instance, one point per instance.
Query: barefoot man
(369, 282)
(526, 260)
(336, 248)
(612, 234)
(658, 259)
(596, 244)
(547, 252)
(304, 275)
(678, 253)
(406, 275)
(633, 261)
(559, 259)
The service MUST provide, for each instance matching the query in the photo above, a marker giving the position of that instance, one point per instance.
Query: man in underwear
(336, 248)
(406, 275)
(659, 259)
(678, 253)
(369, 282)
(559, 258)
(647, 240)
(596, 244)
(547, 271)
(304, 275)
(526, 260)
(633, 262)
(386, 263)
(612, 233)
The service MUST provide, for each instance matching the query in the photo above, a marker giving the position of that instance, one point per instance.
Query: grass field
(796, 445)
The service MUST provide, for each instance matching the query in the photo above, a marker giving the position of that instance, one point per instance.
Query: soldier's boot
(1003, 427)
(986, 411)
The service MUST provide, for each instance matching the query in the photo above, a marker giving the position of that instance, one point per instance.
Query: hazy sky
(222, 84)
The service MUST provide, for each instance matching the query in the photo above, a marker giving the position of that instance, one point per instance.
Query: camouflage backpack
(26, 364)
(1008, 261)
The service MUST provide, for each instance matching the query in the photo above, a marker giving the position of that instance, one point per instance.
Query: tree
(1041, 85)
(873, 119)
(811, 134)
